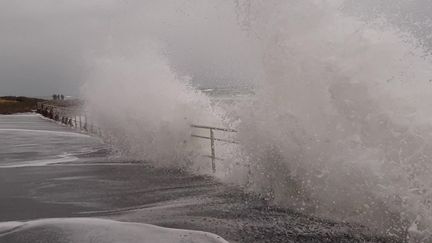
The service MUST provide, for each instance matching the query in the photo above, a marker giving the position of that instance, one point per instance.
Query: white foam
(43, 162)
(84, 230)
(62, 133)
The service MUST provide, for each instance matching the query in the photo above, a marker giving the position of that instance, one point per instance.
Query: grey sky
(44, 43)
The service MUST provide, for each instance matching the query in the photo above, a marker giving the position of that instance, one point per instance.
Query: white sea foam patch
(85, 230)
(42, 162)
(31, 131)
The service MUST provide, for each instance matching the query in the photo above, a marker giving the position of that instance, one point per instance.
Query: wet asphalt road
(138, 192)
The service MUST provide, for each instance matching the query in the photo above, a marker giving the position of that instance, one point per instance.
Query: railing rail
(213, 139)
(214, 128)
(71, 117)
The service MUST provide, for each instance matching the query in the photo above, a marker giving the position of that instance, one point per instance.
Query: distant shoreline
(17, 104)
(20, 104)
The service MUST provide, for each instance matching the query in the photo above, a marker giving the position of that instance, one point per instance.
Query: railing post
(91, 126)
(80, 121)
(213, 153)
(85, 121)
(213, 140)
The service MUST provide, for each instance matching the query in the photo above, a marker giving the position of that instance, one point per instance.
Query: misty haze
(215, 121)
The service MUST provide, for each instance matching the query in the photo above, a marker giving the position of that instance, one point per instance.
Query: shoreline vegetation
(20, 104)
(17, 104)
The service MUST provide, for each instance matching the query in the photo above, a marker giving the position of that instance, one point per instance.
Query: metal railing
(79, 119)
(213, 139)
(71, 117)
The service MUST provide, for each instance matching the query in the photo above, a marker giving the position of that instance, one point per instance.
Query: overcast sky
(44, 44)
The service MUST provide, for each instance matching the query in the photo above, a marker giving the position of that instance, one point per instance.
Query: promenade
(50, 171)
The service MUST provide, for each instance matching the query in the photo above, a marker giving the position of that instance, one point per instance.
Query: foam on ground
(85, 230)
(43, 162)
(30, 131)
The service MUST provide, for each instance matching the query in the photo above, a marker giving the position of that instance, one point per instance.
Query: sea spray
(140, 86)
(339, 126)
(145, 109)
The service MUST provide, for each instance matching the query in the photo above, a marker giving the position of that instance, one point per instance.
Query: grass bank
(14, 104)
